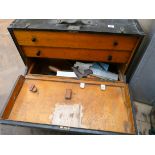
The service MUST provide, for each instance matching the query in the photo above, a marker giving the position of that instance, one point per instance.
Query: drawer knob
(109, 58)
(115, 43)
(34, 39)
(38, 53)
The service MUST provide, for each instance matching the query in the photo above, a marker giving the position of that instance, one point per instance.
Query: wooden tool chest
(87, 105)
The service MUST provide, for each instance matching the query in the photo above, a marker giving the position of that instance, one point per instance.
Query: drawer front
(77, 54)
(75, 40)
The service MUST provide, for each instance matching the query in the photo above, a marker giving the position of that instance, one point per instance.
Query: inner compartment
(42, 66)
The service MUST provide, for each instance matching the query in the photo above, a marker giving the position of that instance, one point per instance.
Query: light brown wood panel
(13, 96)
(77, 54)
(73, 80)
(101, 110)
(75, 40)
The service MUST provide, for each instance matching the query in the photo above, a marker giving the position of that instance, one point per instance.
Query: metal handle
(75, 22)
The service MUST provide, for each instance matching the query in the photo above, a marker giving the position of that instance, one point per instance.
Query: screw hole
(109, 58)
(34, 39)
(115, 43)
(38, 53)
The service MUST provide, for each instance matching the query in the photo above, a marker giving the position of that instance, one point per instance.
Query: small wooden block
(68, 94)
(33, 88)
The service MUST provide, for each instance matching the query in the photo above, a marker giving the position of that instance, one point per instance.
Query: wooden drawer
(87, 109)
(77, 54)
(75, 40)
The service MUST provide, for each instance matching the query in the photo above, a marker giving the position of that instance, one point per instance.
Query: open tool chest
(87, 105)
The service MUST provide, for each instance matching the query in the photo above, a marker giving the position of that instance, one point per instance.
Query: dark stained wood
(75, 40)
(77, 54)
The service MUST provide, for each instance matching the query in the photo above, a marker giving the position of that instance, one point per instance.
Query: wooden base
(93, 108)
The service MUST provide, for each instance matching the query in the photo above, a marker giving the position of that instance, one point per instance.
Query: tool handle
(53, 69)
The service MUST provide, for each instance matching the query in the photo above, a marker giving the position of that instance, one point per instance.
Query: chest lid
(115, 26)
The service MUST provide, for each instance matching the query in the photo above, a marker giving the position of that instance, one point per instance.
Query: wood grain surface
(77, 54)
(108, 110)
(75, 40)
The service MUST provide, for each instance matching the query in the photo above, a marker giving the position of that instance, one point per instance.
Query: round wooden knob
(115, 43)
(34, 39)
(38, 53)
(109, 58)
